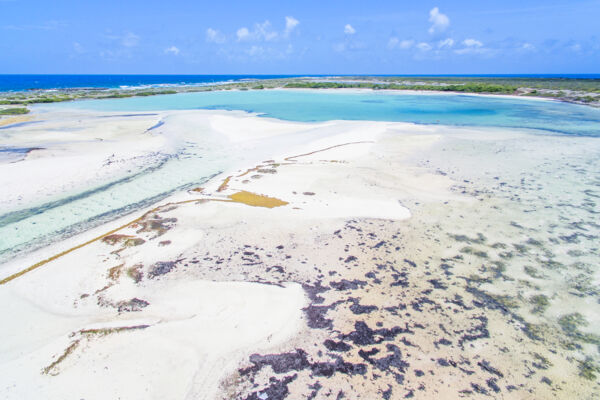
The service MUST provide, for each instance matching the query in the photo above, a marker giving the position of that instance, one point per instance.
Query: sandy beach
(344, 259)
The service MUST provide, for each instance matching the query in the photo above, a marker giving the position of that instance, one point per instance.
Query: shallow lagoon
(193, 164)
(318, 106)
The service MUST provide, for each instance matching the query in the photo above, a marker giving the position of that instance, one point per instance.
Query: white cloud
(260, 32)
(472, 43)
(172, 50)
(130, 39)
(473, 46)
(575, 47)
(349, 30)
(243, 34)
(439, 21)
(446, 43)
(214, 36)
(264, 31)
(290, 24)
(394, 43)
(528, 47)
(423, 46)
(406, 44)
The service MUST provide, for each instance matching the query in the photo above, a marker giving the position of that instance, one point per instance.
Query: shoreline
(551, 93)
(69, 243)
(353, 278)
(95, 233)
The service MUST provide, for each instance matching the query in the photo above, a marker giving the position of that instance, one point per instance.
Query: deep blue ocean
(27, 82)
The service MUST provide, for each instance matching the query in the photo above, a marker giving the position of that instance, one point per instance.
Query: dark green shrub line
(14, 111)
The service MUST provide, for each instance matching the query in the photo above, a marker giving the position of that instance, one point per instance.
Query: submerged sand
(369, 260)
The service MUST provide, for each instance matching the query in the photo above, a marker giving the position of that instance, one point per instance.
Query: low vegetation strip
(467, 87)
(14, 111)
(575, 90)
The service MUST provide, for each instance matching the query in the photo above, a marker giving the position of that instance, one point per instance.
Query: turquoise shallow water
(315, 106)
(41, 224)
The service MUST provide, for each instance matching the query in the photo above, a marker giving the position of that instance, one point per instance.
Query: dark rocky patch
(357, 309)
(132, 305)
(493, 385)
(348, 285)
(336, 346)
(298, 361)
(478, 388)
(487, 367)
(479, 331)
(316, 317)
(313, 292)
(387, 394)
(437, 284)
(315, 390)
(161, 268)
(363, 335)
(383, 364)
(277, 390)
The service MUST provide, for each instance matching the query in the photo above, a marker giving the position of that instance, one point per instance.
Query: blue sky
(299, 37)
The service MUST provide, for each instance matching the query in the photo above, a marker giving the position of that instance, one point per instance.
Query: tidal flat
(365, 260)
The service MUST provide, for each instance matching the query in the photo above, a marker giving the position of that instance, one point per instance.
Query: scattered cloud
(395, 43)
(472, 43)
(446, 43)
(130, 39)
(242, 34)
(260, 32)
(290, 24)
(575, 47)
(172, 50)
(439, 21)
(265, 32)
(214, 36)
(473, 46)
(349, 30)
(406, 44)
(527, 47)
(423, 46)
